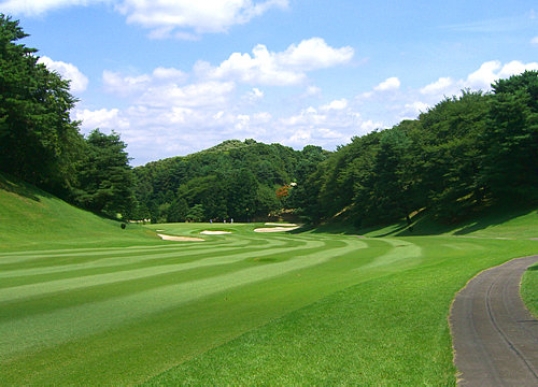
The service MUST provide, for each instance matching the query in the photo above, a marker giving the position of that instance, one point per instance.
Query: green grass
(97, 305)
(31, 219)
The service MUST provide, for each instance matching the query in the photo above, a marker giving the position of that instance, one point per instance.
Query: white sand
(179, 238)
(215, 232)
(276, 229)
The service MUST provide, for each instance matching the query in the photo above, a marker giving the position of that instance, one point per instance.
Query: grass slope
(31, 218)
(98, 305)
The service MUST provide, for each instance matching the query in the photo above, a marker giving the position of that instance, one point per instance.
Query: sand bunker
(215, 232)
(179, 238)
(279, 228)
(282, 224)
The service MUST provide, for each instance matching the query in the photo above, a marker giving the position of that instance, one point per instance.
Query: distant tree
(242, 193)
(178, 211)
(234, 179)
(266, 201)
(38, 141)
(105, 177)
(196, 213)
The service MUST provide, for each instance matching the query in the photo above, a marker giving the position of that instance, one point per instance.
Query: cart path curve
(495, 337)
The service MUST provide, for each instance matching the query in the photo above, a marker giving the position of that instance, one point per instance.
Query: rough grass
(31, 219)
(97, 305)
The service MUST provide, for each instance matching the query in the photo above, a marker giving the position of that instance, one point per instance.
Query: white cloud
(164, 17)
(38, 7)
(106, 119)
(284, 68)
(190, 96)
(201, 16)
(415, 108)
(312, 91)
(254, 95)
(68, 71)
(125, 85)
(339, 104)
(491, 71)
(392, 83)
(121, 85)
(313, 54)
(169, 74)
(442, 85)
(370, 125)
(534, 41)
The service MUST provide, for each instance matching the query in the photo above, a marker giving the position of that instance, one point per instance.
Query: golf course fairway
(240, 307)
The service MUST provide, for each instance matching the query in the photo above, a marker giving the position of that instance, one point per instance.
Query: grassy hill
(31, 218)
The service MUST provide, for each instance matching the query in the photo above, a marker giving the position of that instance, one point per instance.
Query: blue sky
(173, 77)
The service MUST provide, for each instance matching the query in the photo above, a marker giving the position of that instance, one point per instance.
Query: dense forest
(462, 155)
(234, 180)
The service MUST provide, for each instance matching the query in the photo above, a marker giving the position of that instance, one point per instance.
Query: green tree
(178, 211)
(448, 157)
(242, 194)
(38, 141)
(390, 185)
(511, 139)
(105, 177)
(196, 213)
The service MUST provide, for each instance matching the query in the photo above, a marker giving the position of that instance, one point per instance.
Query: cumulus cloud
(125, 85)
(35, 8)
(392, 83)
(534, 41)
(68, 71)
(164, 17)
(491, 71)
(438, 87)
(189, 96)
(184, 19)
(340, 104)
(102, 118)
(122, 85)
(278, 68)
(313, 54)
(480, 79)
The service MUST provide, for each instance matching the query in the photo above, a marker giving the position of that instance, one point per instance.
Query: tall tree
(38, 141)
(105, 177)
(448, 156)
(511, 139)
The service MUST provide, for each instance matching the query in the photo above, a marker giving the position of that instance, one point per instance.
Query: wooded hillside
(234, 180)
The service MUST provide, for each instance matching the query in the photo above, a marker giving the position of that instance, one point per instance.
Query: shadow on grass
(423, 224)
(476, 221)
(20, 188)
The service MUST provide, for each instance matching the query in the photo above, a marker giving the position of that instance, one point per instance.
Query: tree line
(40, 144)
(234, 180)
(461, 155)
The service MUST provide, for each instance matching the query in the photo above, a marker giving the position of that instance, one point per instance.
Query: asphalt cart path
(495, 337)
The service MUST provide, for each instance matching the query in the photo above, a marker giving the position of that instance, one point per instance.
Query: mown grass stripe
(41, 289)
(402, 251)
(72, 260)
(71, 323)
(113, 259)
(47, 257)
